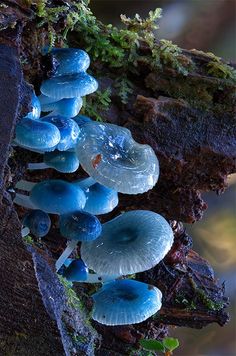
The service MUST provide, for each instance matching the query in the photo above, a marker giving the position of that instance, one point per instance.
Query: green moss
(210, 304)
(96, 103)
(221, 70)
(28, 240)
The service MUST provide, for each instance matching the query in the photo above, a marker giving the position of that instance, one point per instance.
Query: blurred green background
(208, 25)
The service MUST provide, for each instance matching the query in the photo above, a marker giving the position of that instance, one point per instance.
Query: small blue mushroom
(109, 154)
(100, 199)
(69, 86)
(82, 119)
(69, 61)
(123, 302)
(35, 112)
(36, 135)
(53, 196)
(65, 162)
(38, 222)
(65, 107)
(77, 226)
(69, 131)
(77, 271)
(133, 242)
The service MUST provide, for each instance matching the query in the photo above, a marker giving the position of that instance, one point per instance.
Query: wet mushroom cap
(38, 222)
(82, 119)
(37, 135)
(77, 271)
(65, 162)
(133, 242)
(35, 112)
(57, 196)
(123, 302)
(80, 226)
(69, 61)
(64, 107)
(109, 154)
(69, 86)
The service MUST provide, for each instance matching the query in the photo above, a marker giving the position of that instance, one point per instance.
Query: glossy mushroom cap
(100, 199)
(109, 154)
(125, 302)
(37, 135)
(57, 196)
(69, 86)
(80, 226)
(69, 61)
(35, 112)
(69, 131)
(38, 222)
(65, 162)
(133, 242)
(65, 107)
(77, 271)
(82, 119)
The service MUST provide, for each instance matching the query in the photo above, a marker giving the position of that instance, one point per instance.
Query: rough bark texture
(190, 123)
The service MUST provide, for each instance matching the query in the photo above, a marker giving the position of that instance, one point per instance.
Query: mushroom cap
(100, 199)
(35, 112)
(38, 222)
(77, 271)
(65, 107)
(69, 61)
(125, 301)
(65, 162)
(133, 242)
(69, 86)
(82, 119)
(57, 196)
(45, 100)
(80, 226)
(37, 135)
(109, 154)
(68, 128)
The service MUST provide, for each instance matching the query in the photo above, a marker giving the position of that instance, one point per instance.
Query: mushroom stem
(25, 185)
(98, 278)
(85, 183)
(23, 200)
(41, 165)
(25, 231)
(71, 245)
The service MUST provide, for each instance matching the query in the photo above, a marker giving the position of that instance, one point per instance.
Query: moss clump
(210, 304)
(96, 104)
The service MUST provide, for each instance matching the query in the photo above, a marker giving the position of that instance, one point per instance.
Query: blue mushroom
(100, 199)
(123, 302)
(36, 135)
(38, 222)
(69, 86)
(69, 61)
(65, 162)
(133, 242)
(35, 112)
(109, 154)
(77, 271)
(53, 196)
(69, 131)
(64, 107)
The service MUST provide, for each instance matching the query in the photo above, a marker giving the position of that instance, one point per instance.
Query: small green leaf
(170, 343)
(152, 345)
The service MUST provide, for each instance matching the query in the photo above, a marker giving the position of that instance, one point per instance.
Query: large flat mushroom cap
(124, 302)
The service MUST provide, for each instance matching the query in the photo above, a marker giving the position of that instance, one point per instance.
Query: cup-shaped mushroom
(132, 242)
(69, 86)
(37, 135)
(38, 222)
(100, 199)
(64, 107)
(80, 226)
(69, 61)
(82, 119)
(69, 131)
(35, 112)
(109, 154)
(62, 161)
(123, 302)
(57, 196)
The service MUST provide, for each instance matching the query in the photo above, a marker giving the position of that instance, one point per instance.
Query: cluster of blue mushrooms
(134, 241)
